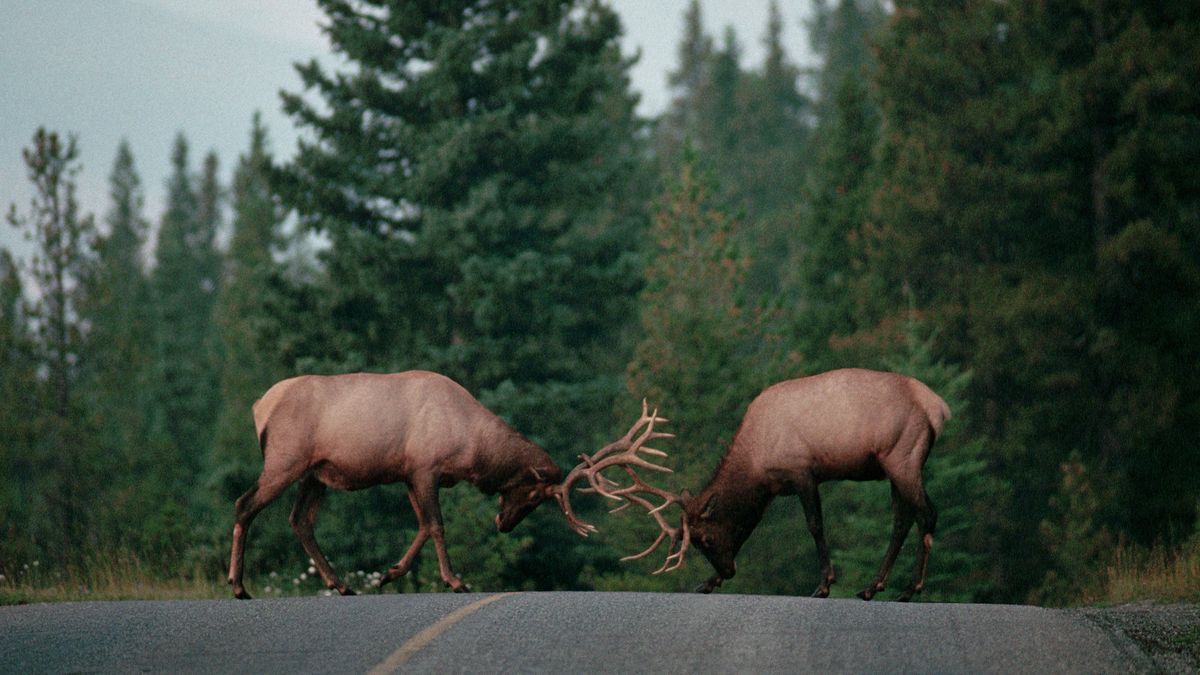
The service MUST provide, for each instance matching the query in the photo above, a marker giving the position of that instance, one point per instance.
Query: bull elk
(354, 431)
(849, 424)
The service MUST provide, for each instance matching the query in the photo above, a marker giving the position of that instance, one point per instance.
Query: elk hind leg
(810, 496)
(926, 525)
(303, 519)
(902, 520)
(262, 493)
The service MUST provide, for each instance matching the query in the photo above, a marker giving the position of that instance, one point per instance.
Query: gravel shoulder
(1167, 633)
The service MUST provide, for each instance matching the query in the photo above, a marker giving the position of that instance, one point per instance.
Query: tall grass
(126, 576)
(1160, 574)
(121, 576)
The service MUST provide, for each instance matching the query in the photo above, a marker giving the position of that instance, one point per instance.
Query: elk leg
(401, 568)
(303, 518)
(926, 524)
(902, 520)
(426, 496)
(245, 509)
(810, 496)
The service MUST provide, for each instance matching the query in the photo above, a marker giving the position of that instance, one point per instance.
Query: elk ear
(685, 497)
(710, 507)
(550, 490)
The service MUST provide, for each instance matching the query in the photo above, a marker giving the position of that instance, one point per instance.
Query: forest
(1001, 199)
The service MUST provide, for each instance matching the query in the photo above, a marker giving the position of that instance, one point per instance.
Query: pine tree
(822, 255)
(116, 305)
(751, 128)
(19, 411)
(249, 366)
(61, 454)
(184, 285)
(702, 357)
(62, 239)
(117, 364)
(691, 83)
(1031, 201)
(474, 171)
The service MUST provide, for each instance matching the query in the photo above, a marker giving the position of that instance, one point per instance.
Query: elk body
(849, 424)
(354, 431)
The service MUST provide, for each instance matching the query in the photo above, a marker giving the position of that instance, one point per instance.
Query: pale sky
(145, 70)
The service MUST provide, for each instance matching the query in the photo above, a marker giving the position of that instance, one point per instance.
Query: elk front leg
(423, 495)
(902, 520)
(303, 518)
(810, 496)
(401, 568)
(433, 514)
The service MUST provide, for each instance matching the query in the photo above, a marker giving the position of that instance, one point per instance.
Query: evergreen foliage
(249, 366)
(58, 454)
(472, 168)
(999, 199)
(184, 286)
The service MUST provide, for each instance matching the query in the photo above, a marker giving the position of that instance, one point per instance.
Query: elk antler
(623, 453)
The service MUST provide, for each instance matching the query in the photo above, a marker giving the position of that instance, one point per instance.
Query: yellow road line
(419, 641)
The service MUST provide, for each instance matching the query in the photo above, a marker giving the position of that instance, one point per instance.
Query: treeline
(998, 199)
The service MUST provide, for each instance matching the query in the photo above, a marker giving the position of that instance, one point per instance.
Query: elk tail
(938, 413)
(936, 410)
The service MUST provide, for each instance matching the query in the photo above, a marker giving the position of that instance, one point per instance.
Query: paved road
(562, 632)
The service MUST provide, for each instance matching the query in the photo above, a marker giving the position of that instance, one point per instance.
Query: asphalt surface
(562, 632)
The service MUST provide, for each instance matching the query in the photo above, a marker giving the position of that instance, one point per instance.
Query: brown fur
(354, 431)
(850, 424)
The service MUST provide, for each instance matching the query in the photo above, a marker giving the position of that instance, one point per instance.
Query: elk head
(524, 493)
(624, 454)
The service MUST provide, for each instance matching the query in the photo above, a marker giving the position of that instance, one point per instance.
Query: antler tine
(624, 453)
(679, 536)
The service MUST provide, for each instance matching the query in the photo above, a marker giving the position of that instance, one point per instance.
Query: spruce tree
(701, 360)
(19, 411)
(473, 167)
(691, 85)
(62, 455)
(116, 305)
(1032, 203)
(62, 239)
(249, 365)
(822, 254)
(118, 363)
(184, 285)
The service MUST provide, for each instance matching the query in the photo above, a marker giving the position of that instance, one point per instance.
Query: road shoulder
(1169, 634)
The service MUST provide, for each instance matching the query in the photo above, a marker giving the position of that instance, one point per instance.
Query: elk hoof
(906, 595)
(866, 593)
(389, 576)
(345, 590)
(241, 594)
(821, 592)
